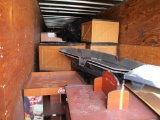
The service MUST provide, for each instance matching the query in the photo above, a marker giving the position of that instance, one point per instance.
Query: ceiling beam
(69, 9)
(71, 5)
(93, 2)
(70, 12)
(67, 14)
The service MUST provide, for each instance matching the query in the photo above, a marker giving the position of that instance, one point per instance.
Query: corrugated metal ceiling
(58, 13)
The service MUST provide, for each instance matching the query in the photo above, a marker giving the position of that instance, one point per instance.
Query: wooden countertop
(85, 104)
(49, 83)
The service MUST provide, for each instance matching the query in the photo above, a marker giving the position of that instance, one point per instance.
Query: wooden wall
(139, 27)
(20, 27)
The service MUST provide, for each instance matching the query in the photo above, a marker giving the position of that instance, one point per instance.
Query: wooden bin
(100, 31)
(109, 49)
(51, 60)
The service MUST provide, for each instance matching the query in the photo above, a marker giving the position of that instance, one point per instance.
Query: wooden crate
(100, 31)
(49, 37)
(51, 60)
(104, 48)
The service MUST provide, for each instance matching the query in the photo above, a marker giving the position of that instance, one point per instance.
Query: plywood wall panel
(145, 54)
(2, 98)
(155, 57)
(2, 115)
(20, 24)
(6, 25)
(1, 67)
(139, 26)
(16, 111)
(139, 22)
(10, 65)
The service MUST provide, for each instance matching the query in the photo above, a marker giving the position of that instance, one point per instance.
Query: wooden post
(118, 99)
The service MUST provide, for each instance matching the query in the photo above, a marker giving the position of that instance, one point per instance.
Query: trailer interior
(79, 59)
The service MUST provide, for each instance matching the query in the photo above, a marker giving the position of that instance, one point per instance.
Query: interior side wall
(139, 35)
(20, 26)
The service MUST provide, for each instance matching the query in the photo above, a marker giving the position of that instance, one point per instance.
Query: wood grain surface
(89, 105)
(55, 99)
(150, 95)
(139, 25)
(106, 49)
(145, 54)
(118, 100)
(98, 84)
(20, 26)
(100, 31)
(51, 60)
(49, 109)
(68, 117)
(50, 83)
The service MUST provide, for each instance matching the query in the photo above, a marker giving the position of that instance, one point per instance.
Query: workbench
(86, 104)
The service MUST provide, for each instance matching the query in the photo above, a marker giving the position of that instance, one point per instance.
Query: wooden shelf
(52, 109)
(148, 94)
(50, 83)
(67, 113)
(53, 118)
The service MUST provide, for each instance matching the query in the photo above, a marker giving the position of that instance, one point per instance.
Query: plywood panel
(100, 31)
(6, 25)
(105, 31)
(106, 49)
(145, 54)
(0, 67)
(139, 22)
(149, 95)
(10, 65)
(11, 92)
(155, 57)
(52, 60)
(2, 98)
(19, 31)
(54, 99)
(18, 110)
(2, 114)
(86, 34)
